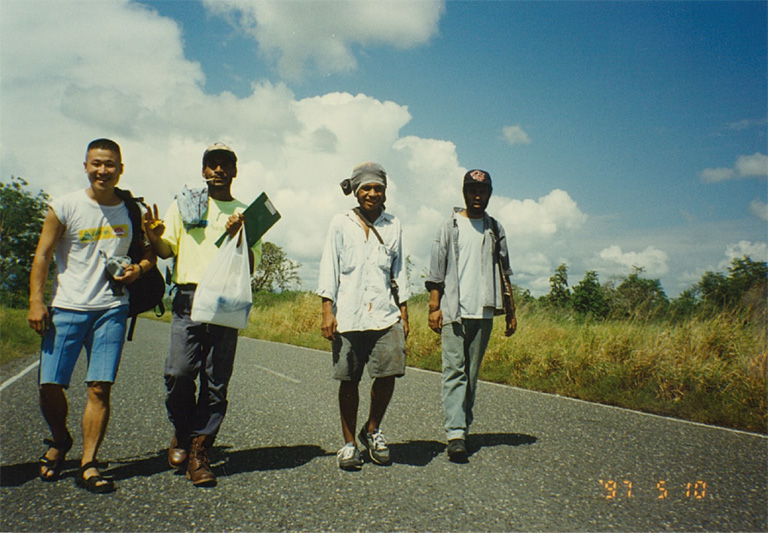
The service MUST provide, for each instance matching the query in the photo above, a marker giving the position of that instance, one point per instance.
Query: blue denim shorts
(101, 333)
(383, 351)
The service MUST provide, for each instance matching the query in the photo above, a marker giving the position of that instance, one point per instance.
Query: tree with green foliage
(522, 296)
(745, 287)
(589, 297)
(638, 298)
(684, 306)
(559, 294)
(21, 221)
(275, 271)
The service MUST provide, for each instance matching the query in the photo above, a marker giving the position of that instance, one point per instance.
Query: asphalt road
(543, 463)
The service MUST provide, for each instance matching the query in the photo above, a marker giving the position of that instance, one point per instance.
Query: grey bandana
(364, 174)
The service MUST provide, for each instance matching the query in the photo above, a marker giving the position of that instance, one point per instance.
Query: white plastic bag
(224, 295)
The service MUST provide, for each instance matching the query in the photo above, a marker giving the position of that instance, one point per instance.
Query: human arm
(135, 270)
(155, 228)
(506, 272)
(510, 318)
(404, 318)
(38, 316)
(400, 275)
(435, 282)
(329, 325)
(435, 319)
(233, 225)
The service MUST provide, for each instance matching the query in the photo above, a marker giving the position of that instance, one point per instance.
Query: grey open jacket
(444, 270)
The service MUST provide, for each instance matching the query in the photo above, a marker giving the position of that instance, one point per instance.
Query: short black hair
(104, 144)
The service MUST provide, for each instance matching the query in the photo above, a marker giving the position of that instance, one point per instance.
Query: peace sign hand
(153, 225)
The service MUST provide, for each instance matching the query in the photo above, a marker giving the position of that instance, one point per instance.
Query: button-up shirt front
(444, 266)
(355, 272)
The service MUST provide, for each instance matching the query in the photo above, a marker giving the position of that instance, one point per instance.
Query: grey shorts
(383, 351)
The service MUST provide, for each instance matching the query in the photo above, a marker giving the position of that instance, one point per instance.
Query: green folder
(259, 217)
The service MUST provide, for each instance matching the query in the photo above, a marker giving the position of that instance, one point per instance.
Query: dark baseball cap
(477, 176)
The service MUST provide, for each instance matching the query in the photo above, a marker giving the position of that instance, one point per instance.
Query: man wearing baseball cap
(192, 224)
(363, 287)
(468, 284)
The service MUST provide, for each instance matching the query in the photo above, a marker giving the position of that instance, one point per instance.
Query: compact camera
(116, 265)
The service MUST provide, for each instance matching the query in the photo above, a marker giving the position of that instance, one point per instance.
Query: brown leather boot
(178, 452)
(198, 468)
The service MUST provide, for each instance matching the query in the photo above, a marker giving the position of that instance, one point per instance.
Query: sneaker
(349, 458)
(376, 446)
(457, 450)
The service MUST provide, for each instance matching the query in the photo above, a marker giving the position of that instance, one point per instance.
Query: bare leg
(95, 419)
(381, 394)
(349, 399)
(53, 404)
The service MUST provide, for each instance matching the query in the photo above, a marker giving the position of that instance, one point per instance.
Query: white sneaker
(376, 445)
(349, 458)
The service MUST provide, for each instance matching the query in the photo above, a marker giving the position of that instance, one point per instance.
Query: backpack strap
(129, 338)
(136, 249)
(506, 288)
(368, 223)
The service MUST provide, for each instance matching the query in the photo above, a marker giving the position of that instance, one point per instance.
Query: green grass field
(711, 370)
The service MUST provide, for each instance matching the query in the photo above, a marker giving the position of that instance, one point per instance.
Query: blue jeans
(203, 350)
(464, 345)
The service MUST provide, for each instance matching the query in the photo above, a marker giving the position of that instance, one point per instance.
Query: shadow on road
(272, 458)
(415, 452)
(421, 452)
(17, 475)
(486, 440)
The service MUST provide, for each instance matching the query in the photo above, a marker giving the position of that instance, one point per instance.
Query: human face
(476, 197)
(371, 198)
(103, 168)
(219, 170)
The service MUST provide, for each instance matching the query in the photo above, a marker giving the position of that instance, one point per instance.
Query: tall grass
(17, 339)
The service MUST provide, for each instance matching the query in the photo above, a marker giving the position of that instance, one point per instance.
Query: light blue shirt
(444, 267)
(355, 272)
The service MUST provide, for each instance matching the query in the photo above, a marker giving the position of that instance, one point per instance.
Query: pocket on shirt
(346, 261)
(384, 258)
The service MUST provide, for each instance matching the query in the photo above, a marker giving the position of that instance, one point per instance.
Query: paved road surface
(543, 462)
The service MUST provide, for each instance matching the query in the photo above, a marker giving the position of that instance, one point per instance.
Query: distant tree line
(743, 289)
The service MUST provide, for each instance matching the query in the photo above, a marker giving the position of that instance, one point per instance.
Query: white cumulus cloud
(550, 214)
(759, 209)
(323, 34)
(653, 261)
(746, 166)
(515, 135)
(757, 251)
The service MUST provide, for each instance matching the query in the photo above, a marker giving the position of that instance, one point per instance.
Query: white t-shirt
(81, 283)
(470, 275)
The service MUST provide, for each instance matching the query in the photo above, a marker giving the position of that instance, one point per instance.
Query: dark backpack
(148, 291)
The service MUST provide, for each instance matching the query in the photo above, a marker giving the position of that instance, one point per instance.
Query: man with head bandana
(363, 288)
(468, 283)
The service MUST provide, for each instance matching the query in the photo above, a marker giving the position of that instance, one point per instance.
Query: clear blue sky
(635, 131)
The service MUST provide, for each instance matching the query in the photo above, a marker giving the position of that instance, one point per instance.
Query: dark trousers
(197, 350)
